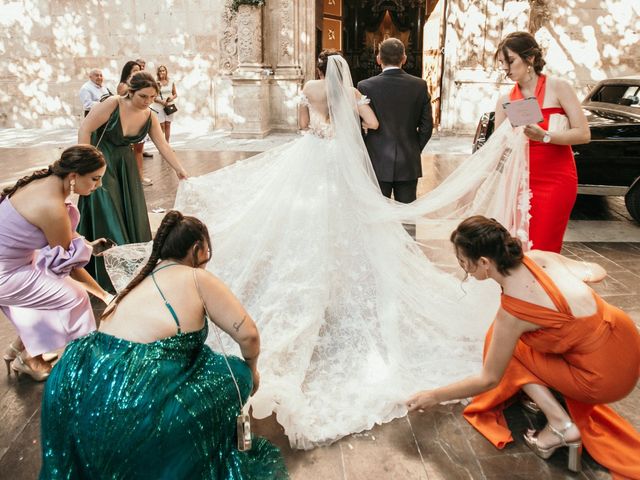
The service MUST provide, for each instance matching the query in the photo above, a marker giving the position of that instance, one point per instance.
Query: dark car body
(610, 163)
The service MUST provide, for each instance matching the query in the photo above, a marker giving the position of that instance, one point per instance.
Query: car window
(618, 94)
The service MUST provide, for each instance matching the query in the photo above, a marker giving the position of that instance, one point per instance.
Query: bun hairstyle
(323, 60)
(141, 80)
(479, 236)
(525, 45)
(177, 237)
(80, 159)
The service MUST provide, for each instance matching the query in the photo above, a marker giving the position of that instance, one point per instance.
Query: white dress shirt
(390, 68)
(90, 94)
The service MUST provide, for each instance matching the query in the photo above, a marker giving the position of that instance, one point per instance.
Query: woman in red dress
(552, 179)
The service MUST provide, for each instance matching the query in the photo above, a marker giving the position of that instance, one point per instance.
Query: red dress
(552, 179)
(590, 360)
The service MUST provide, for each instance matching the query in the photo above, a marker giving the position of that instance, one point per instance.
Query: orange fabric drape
(589, 360)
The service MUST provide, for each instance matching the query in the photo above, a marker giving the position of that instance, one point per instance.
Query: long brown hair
(176, 235)
(80, 159)
(479, 236)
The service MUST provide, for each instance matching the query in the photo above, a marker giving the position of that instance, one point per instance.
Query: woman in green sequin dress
(118, 210)
(144, 397)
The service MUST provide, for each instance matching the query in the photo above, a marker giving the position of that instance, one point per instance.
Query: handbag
(169, 109)
(243, 421)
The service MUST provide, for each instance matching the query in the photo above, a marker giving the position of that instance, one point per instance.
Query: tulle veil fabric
(354, 314)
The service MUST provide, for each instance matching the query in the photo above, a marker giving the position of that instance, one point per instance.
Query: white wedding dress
(354, 317)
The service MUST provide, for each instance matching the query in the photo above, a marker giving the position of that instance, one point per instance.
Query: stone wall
(584, 42)
(47, 48)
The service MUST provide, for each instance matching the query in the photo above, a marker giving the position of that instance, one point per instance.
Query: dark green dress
(118, 210)
(116, 409)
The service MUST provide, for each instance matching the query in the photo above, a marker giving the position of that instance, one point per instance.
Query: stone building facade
(242, 70)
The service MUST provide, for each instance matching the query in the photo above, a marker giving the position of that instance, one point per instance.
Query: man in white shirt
(93, 90)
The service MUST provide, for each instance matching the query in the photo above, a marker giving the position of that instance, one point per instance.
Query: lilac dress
(47, 307)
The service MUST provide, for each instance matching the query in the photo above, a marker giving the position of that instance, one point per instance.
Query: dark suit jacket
(403, 107)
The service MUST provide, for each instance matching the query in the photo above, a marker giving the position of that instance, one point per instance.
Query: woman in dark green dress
(144, 397)
(118, 211)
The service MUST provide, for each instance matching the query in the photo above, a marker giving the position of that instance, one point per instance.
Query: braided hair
(479, 236)
(80, 159)
(176, 235)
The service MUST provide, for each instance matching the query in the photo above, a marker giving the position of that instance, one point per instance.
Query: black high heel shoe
(575, 447)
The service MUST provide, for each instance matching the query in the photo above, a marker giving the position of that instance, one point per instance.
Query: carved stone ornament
(249, 20)
(538, 15)
(286, 25)
(229, 43)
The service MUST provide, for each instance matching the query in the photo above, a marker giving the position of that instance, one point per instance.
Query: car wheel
(632, 201)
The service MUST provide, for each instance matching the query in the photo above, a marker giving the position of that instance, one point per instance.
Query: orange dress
(553, 181)
(590, 360)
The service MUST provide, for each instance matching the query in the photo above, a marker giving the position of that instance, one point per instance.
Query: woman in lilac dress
(43, 287)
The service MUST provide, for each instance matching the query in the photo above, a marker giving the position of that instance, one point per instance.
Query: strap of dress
(549, 286)
(516, 93)
(168, 305)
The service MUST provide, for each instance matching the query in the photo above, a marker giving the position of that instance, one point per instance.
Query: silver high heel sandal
(9, 356)
(575, 447)
(20, 367)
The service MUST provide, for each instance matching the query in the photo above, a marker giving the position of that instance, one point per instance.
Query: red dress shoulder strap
(516, 93)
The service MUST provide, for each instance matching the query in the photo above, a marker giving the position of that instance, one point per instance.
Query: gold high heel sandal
(575, 447)
(20, 367)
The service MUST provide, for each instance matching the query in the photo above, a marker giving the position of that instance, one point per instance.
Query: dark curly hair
(80, 159)
(525, 46)
(479, 236)
(323, 60)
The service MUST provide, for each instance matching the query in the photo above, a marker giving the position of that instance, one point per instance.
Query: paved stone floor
(437, 444)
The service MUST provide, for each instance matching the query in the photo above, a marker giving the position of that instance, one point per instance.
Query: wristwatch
(546, 138)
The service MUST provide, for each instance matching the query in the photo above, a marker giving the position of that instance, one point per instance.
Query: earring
(72, 186)
(529, 69)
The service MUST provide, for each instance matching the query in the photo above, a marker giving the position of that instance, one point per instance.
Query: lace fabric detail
(354, 316)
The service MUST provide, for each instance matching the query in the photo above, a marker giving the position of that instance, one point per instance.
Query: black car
(610, 163)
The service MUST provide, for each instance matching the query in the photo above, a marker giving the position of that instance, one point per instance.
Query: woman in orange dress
(552, 178)
(551, 332)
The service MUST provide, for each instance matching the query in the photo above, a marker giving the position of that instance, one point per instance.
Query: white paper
(523, 112)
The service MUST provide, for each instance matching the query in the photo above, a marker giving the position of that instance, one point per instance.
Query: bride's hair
(479, 236)
(323, 60)
(525, 46)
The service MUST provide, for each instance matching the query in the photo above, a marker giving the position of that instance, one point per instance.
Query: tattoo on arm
(237, 325)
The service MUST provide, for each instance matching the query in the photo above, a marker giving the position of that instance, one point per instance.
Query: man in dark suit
(403, 107)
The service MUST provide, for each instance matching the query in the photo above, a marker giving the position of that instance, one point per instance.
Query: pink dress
(47, 308)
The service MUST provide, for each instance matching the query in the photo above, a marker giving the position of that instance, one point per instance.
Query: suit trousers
(403, 192)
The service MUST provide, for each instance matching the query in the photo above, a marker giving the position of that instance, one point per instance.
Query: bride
(354, 314)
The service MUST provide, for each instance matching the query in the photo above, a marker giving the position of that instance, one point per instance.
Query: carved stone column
(287, 77)
(250, 84)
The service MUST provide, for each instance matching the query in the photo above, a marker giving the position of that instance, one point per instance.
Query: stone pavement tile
(617, 251)
(611, 286)
(386, 452)
(630, 281)
(22, 459)
(443, 444)
(19, 399)
(525, 466)
(321, 462)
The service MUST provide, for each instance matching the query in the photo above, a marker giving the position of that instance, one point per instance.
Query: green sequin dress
(116, 409)
(118, 210)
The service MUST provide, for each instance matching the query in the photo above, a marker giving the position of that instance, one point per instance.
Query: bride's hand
(534, 132)
(422, 400)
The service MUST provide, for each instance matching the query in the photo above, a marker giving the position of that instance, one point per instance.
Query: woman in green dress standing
(144, 397)
(118, 211)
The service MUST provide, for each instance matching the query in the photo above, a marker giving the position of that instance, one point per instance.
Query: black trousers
(403, 192)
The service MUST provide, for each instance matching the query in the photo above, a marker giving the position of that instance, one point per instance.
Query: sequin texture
(164, 410)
